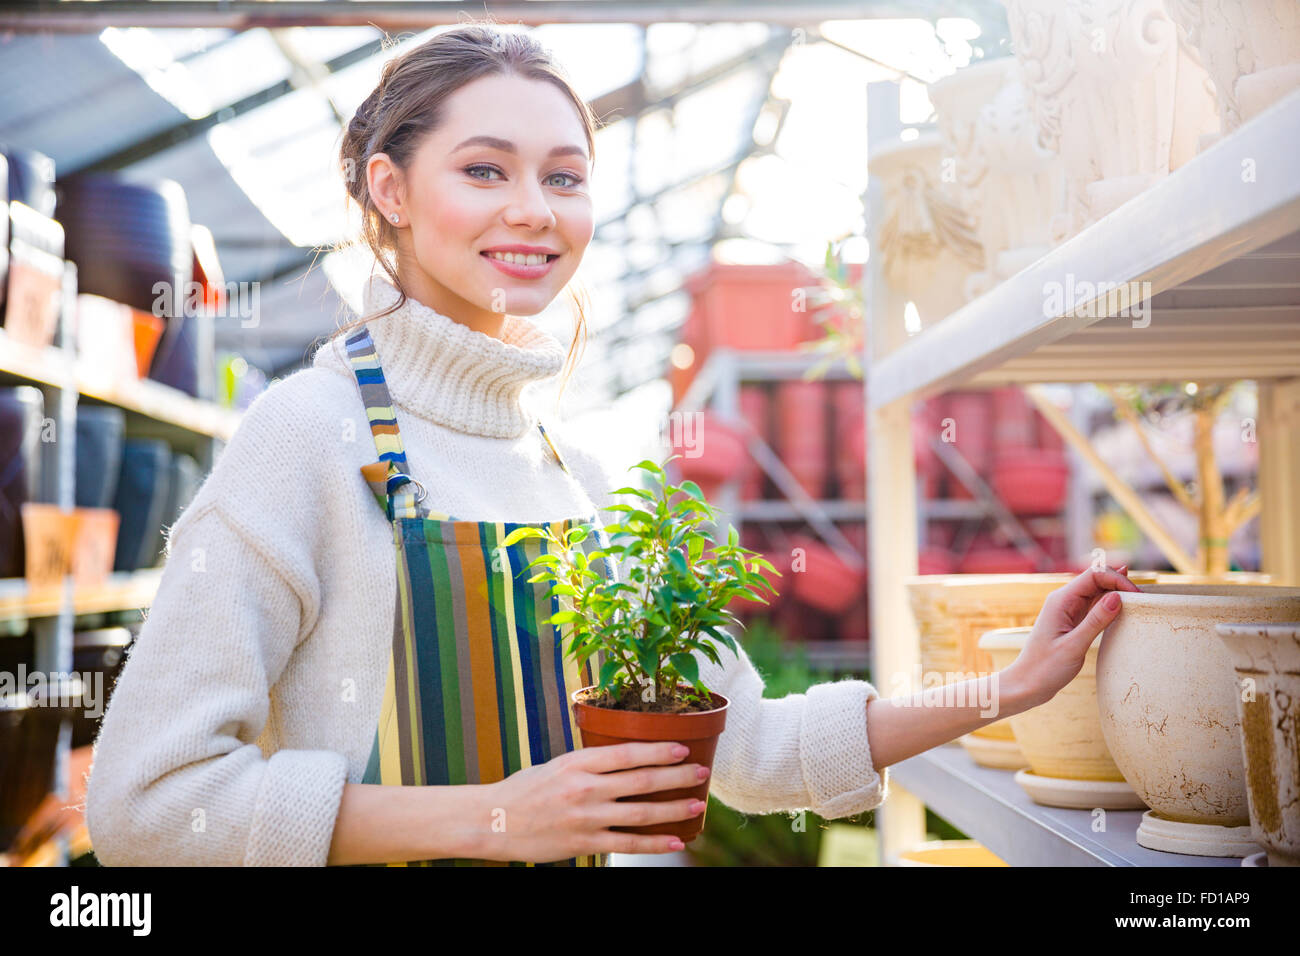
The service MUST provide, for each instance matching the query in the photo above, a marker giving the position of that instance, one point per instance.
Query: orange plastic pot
(50, 535)
(148, 331)
(827, 581)
(751, 306)
(605, 726)
(934, 561)
(1031, 481)
(802, 416)
(720, 456)
(95, 547)
(996, 561)
(1013, 420)
(754, 406)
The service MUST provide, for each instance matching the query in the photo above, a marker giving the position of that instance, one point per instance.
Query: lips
(519, 270)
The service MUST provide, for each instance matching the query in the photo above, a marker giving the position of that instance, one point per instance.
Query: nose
(529, 207)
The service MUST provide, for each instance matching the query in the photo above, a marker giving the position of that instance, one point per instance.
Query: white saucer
(1079, 794)
(1194, 839)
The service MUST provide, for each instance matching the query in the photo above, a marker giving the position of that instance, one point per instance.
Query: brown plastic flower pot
(699, 731)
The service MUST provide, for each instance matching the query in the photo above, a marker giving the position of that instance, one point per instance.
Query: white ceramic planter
(1114, 92)
(1266, 658)
(1009, 184)
(927, 242)
(1166, 692)
(1062, 740)
(1251, 51)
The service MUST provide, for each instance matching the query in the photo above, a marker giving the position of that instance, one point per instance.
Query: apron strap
(554, 451)
(397, 487)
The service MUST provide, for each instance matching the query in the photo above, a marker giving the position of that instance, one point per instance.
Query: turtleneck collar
(444, 371)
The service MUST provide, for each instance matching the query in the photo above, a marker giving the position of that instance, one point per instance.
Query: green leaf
(629, 490)
(607, 672)
(520, 533)
(648, 659)
(687, 666)
(692, 489)
(564, 617)
(647, 465)
(578, 534)
(678, 561)
(725, 638)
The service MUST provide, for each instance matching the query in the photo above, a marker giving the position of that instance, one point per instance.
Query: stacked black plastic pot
(131, 243)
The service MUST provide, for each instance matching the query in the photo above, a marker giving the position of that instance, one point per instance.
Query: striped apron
(478, 683)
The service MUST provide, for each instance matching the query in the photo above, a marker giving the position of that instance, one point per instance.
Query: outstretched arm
(1071, 619)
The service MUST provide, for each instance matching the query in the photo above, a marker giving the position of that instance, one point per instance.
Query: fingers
(646, 813)
(610, 842)
(1096, 620)
(622, 756)
(652, 780)
(1093, 582)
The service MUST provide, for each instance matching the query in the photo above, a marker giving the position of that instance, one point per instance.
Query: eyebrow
(506, 146)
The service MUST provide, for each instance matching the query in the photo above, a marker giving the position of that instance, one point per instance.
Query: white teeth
(518, 259)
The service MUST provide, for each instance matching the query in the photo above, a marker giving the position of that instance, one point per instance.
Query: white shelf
(1223, 258)
(162, 403)
(992, 808)
(120, 591)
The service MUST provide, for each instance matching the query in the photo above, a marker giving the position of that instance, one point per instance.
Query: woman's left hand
(1069, 622)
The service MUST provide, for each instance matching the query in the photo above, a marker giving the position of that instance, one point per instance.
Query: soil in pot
(631, 699)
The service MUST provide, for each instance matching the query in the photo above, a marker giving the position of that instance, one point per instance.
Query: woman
(341, 666)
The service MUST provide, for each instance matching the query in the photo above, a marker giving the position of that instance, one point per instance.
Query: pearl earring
(395, 217)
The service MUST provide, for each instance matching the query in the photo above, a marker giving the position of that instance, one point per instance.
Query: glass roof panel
(596, 57)
(241, 66)
(676, 51)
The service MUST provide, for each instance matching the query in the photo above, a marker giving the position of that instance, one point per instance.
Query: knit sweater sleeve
(800, 751)
(178, 777)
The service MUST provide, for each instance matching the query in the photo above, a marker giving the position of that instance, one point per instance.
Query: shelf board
(1222, 257)
(777, 509)
(991, 807)
(154, 400)
(758, 365)
(947, 509)
(122, 591)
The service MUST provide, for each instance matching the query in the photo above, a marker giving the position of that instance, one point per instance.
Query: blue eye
(469, 170)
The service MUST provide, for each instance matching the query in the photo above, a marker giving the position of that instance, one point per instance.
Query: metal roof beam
(82, 16)
(190, 129)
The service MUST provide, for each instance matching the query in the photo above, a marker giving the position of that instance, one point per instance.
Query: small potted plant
(643, 631)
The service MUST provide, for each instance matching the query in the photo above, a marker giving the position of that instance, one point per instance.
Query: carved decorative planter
(926, 241)
(1266, 658)
(1250, 49)
(1010, 184)
(1116, 91)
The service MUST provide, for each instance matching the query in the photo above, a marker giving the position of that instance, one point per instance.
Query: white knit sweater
(252, 692)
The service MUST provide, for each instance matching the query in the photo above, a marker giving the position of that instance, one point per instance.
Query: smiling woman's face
(496, 174)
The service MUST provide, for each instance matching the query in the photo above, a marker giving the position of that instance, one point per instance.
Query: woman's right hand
(564, 807)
